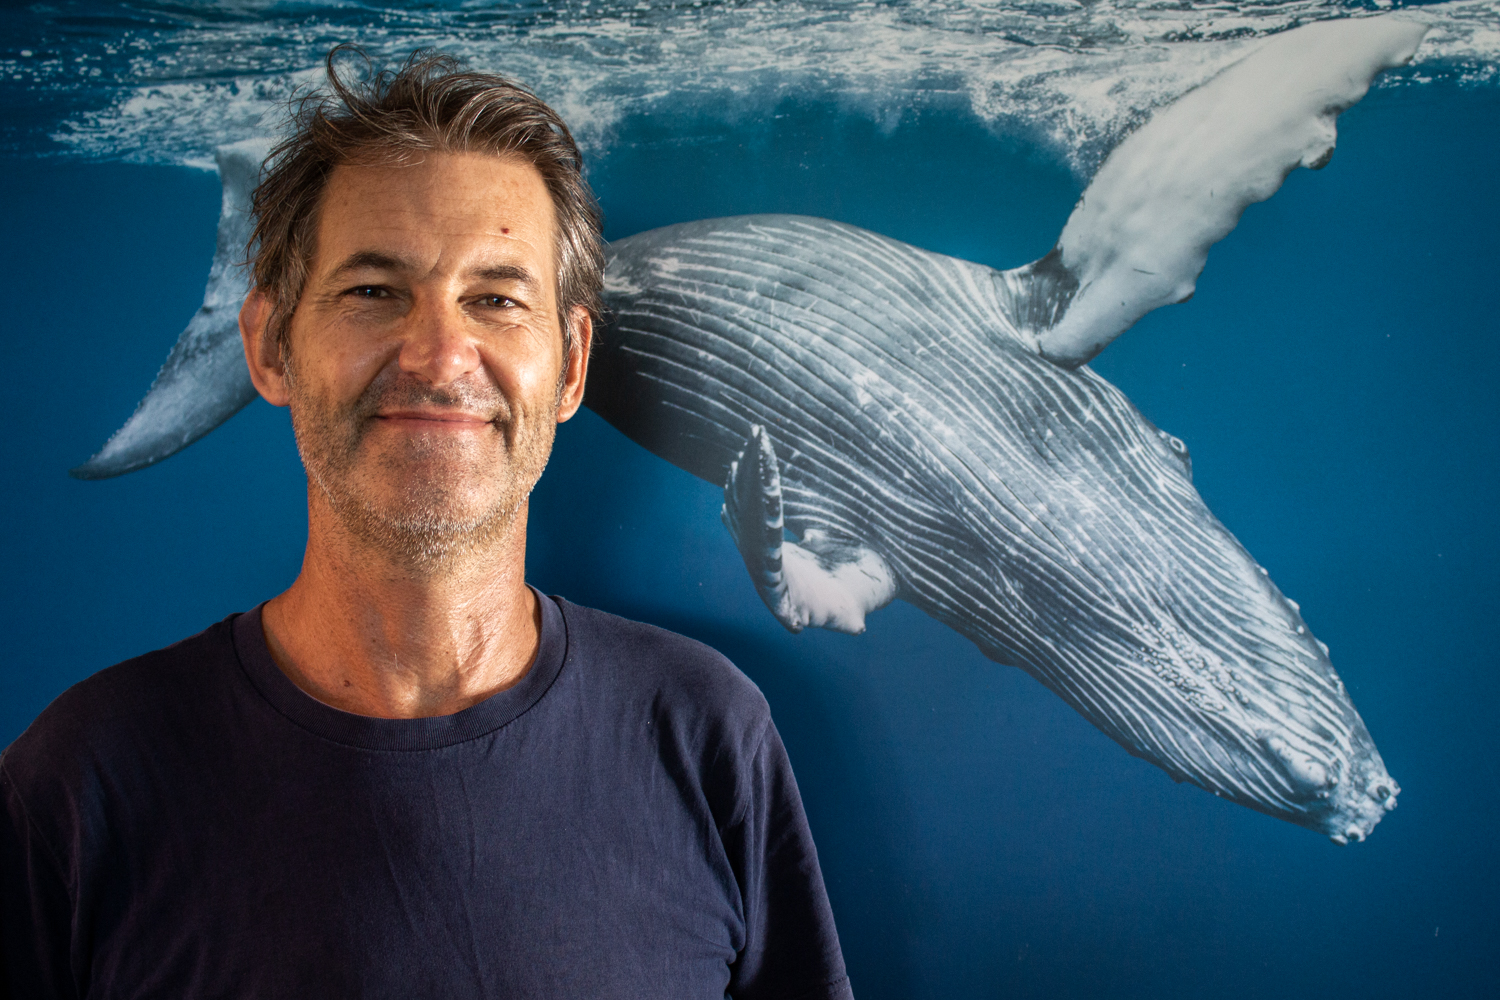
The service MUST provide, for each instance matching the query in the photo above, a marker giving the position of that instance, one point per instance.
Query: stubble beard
(430, 522)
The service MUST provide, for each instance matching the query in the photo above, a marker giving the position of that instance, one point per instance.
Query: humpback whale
(887, 422)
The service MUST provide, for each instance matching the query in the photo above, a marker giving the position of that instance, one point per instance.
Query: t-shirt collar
(401, 734)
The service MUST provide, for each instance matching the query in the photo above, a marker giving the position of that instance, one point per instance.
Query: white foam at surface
(1074, 76)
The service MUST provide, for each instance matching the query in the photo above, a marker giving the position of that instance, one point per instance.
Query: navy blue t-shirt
(622, 823)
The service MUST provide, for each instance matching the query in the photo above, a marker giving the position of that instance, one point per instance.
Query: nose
(437, 345)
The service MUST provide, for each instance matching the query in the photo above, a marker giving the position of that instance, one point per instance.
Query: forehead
(440, 208)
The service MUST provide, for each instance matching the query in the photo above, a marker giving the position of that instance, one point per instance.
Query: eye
(369, 292)
(499, 302)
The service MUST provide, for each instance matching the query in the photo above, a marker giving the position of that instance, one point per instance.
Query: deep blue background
(1334, 377)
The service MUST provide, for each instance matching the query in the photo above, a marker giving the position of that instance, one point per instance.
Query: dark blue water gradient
(1334, 377)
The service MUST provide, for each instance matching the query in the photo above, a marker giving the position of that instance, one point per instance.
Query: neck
(376, 634)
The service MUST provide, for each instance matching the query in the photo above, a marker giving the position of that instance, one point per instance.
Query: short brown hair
(427, 105)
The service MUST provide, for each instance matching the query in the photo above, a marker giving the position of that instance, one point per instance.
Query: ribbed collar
(400, 734)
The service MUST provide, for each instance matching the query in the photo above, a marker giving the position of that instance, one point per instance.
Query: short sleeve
(791, 948)
(34, 908)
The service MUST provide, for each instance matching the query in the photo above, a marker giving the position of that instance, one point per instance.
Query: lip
(435, 420)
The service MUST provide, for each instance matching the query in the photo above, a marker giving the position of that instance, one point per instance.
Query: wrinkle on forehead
(447, 196)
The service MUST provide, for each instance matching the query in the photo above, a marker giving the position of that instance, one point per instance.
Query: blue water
(1334, 377)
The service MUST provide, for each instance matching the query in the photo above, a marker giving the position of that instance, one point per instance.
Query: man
(410, 775)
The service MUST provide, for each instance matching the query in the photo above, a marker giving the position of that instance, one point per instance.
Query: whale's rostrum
(889, 422)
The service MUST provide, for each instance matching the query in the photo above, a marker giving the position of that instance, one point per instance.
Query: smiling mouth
(436, 421)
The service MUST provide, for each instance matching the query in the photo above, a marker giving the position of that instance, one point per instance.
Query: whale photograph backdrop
(944, 339)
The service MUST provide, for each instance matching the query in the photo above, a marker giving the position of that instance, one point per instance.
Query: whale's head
(1084, 554)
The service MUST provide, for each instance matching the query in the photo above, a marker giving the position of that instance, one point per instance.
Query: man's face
(425, 366)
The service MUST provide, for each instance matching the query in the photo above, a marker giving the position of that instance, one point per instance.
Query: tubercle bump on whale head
(1361, 801)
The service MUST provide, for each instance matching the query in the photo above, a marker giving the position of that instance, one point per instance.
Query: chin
(429, 533)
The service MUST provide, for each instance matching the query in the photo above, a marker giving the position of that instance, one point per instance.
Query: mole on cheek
(505, 230)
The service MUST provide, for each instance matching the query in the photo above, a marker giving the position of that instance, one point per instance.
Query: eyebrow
(371, 259)
(374, 259)
(507, 272)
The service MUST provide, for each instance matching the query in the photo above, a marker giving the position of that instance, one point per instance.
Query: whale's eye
(1382, 793)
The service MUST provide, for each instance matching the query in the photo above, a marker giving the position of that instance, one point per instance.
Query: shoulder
(681, 676)
(121, 711)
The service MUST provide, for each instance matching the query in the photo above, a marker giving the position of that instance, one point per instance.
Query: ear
(577, 364)
(262, 356)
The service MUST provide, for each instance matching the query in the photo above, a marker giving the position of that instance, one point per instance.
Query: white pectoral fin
(204, 380)
(821, 582)
(1140, 234)
(832, 585)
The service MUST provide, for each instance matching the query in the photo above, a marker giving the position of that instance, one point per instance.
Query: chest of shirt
(508, 865)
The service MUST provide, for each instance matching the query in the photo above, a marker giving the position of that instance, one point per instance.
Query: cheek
(340, 368)
(528, 365)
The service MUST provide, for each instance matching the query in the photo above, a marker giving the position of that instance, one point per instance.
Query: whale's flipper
(204, 380)
(1140, 234)
(822, 582)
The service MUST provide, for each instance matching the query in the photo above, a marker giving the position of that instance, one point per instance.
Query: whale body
(1025, 504)
(889, 422)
